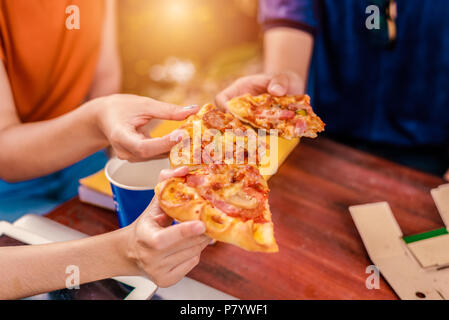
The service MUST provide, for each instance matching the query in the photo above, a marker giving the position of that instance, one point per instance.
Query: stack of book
(96, 190)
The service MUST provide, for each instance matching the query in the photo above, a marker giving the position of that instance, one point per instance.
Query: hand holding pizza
(163, 252)
(277, 85)
(121, 117)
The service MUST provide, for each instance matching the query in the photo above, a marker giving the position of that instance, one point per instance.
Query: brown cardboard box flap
(416, 270)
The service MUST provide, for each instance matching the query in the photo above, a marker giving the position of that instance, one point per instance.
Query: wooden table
(321, 254)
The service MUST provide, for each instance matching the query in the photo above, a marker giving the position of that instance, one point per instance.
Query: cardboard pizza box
(416, 267)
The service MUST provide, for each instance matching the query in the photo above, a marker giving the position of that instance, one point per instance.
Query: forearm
(288, 49)
(30, 150)
(30, 270)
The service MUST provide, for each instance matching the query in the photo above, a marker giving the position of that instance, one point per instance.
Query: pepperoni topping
(216, 119)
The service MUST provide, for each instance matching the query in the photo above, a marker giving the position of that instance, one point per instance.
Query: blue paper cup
(133, 186)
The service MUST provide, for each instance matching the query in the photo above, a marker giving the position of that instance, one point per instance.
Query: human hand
(120, 117)
(277, 85)
(163, 252)
(446, 176)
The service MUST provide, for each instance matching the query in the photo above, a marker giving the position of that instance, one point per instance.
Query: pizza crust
(247, 235)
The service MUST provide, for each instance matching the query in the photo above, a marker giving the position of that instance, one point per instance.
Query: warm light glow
(176, 9)
(173, 70)
(211, 42)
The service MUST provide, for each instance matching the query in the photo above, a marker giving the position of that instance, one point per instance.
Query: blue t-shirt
(365, 90)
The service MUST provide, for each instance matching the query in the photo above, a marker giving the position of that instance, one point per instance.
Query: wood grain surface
(321, 255)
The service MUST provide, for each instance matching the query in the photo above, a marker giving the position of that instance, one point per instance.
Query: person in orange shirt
(58, 86)
(59, 105)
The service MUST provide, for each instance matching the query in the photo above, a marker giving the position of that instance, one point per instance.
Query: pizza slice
(231, 200)
(292, 116)
(222, 138)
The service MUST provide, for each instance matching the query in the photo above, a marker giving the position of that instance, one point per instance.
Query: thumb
(152, 147)
(143, 148)
(169, 173)
(278, 86)
(179, 232)
(156, 218)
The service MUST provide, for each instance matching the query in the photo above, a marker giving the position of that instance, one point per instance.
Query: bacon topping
(225, 207)
(195, 180)
(300, 127)
(276, 114)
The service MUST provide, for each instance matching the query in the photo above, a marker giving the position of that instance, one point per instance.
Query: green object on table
(425, 235)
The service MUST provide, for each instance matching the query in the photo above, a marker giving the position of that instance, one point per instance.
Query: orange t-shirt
(50, 67)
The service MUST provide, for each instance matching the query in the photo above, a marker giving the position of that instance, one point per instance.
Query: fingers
(254, 84)
(187, 244)
(181, 270)
(163, 110)
(279, 85)
(172, 274)
(166, 254)
(158, 218)
(168, 237)
(186, 251)
(169, 173)
(286, 83)
(163, 220)
(151, 147)
(177, 265)
(153, 208)
(161, 156)
(154, 213)
(133, 146)
(224, 96)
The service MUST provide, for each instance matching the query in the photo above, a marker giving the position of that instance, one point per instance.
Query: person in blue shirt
(377, 72)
